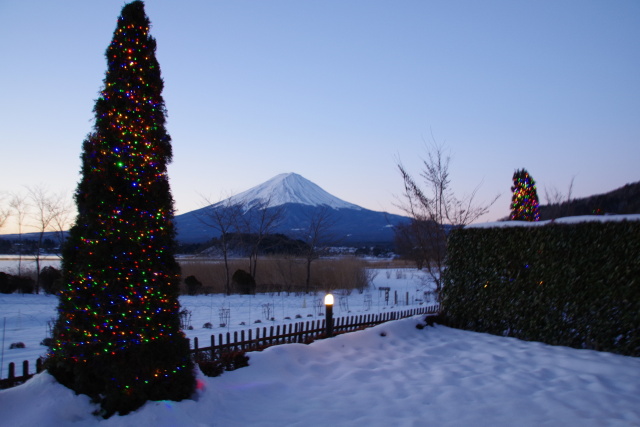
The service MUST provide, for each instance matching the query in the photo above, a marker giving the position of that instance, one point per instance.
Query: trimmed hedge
(576, 285)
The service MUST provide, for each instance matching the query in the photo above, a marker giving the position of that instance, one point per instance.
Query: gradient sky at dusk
(338, 91)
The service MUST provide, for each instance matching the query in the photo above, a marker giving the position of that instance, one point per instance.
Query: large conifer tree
(118, 337)
(524, 202)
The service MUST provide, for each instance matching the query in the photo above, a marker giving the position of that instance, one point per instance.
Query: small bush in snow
(226, 362)
(193, 285)
(243, 282)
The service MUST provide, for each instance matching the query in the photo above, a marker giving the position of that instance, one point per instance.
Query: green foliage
(227, 361)
(576, 285)
(10, 284)
(101, 376)
(193, 285)
(50, 279)
(7, 285)
(117, 337)
(524, 202)
(24, 284)
(243, 282)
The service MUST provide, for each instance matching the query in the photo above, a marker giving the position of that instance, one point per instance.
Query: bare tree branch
(317, 237)
(5, 213)
(558, 204)
(259, 220)
(434, 209)
(19, 208)
(49, 209)
(62, 217)
(223, 218)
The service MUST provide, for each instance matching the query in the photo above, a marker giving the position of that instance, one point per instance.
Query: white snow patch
(289, 188)
(565, 220)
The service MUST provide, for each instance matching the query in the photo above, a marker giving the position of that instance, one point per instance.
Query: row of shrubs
(207, 276)
(576, 285)
(26, 283)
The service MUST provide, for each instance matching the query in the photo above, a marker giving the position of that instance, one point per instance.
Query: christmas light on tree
(524, 203)
(118, 337)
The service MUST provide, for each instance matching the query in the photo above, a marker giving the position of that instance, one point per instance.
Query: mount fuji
(289, 188)
(298, 200)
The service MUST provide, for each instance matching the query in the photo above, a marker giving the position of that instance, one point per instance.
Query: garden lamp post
(328, 304)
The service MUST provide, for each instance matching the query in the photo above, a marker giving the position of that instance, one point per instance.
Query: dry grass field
(288, 274)
(273, 274)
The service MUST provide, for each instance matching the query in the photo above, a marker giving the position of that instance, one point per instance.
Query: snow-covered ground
(390, 375)
(25, 318)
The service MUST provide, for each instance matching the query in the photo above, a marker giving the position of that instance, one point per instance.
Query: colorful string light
(119, 268)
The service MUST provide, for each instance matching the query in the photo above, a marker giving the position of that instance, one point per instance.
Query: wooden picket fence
(300, 332)
(13, 380)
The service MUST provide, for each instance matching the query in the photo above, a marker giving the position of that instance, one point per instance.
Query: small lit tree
(117, 337)
(524, 203)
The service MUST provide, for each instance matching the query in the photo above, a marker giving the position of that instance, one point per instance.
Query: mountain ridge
(622, 200)
(379, 225)
(298, 200)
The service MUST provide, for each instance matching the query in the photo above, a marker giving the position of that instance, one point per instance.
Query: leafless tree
(317, 237)
(434, 209)
(19, 207)
(259, 220)
(422, 241)
(48, 210)
(223, 217)
(62, 218)
(5, 212)
(557, 202)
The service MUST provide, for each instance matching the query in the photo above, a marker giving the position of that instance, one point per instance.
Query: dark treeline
(270, 244)
(624, 200)
(280, 244)
(27, 246)
(49, 281)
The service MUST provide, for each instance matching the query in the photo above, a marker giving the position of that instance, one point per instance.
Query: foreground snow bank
(392, 374)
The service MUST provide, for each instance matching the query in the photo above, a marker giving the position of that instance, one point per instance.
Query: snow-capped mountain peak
(300, 200)
(290, 188)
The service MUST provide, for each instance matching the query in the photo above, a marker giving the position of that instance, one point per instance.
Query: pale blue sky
(337, 91)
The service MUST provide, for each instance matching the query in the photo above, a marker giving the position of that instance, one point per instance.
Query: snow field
(26, 318)
(392, 374)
